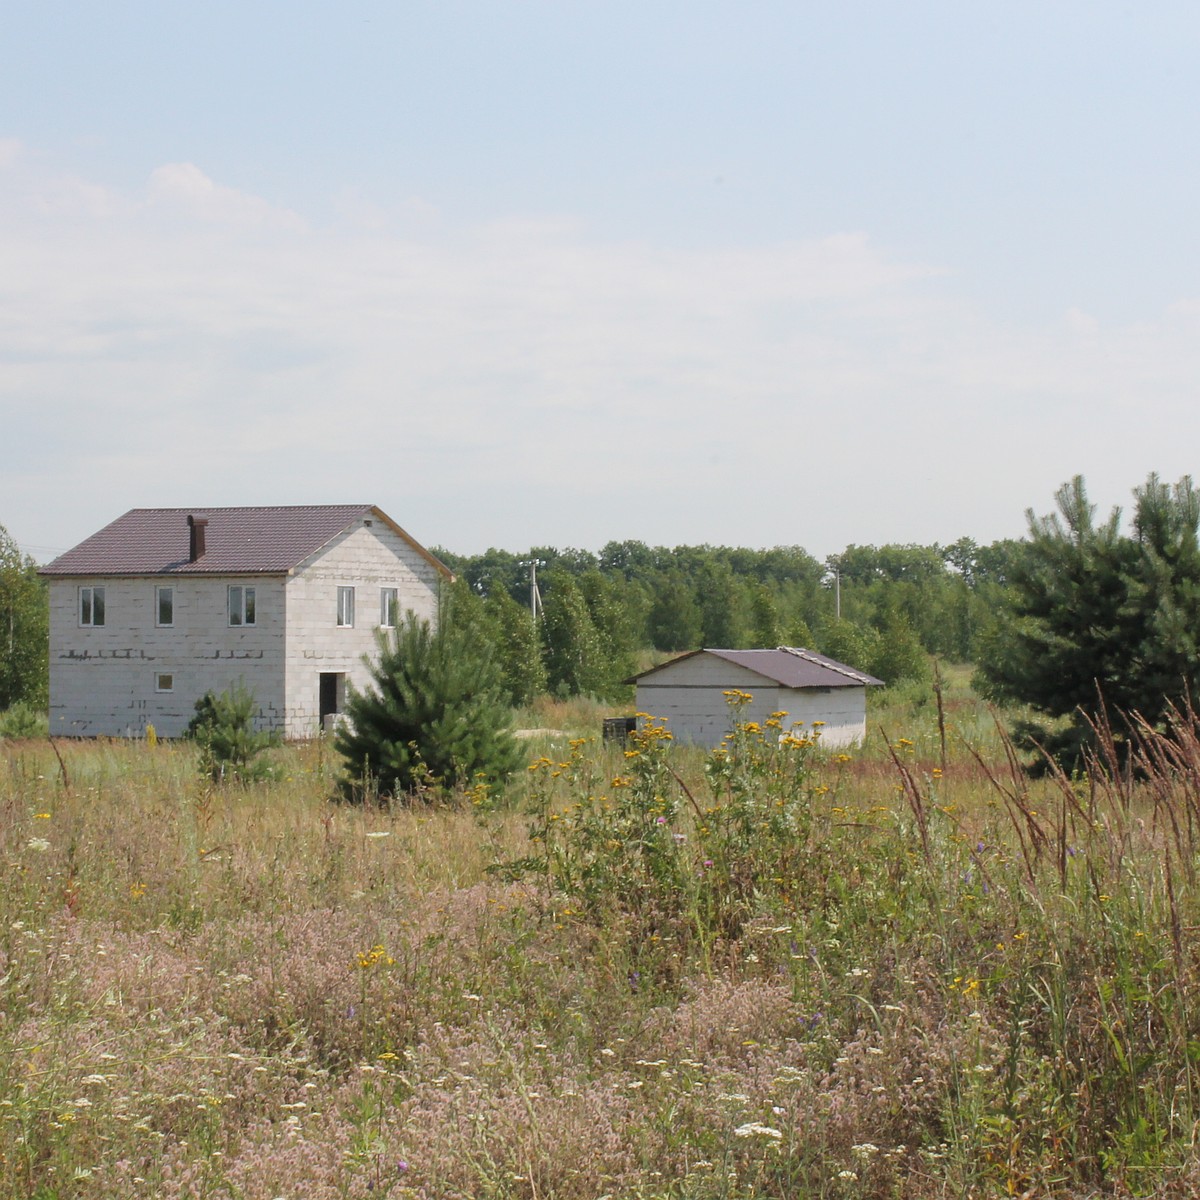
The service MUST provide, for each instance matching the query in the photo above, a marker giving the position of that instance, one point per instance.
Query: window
(345, 607)
(389, 603)
(164, 606)
(164, 683)
(91, 606)
(241, 606)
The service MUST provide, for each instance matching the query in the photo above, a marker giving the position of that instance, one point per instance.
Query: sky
(555, 274)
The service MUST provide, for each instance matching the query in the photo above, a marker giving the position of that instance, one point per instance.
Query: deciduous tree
(24, 628)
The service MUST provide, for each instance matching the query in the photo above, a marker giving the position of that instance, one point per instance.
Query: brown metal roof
(788, 666)
(238, 541)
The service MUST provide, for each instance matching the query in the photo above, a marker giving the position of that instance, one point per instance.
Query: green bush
(23, 721)
(645, 845)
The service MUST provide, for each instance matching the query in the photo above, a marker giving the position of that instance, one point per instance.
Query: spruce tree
(433, 717)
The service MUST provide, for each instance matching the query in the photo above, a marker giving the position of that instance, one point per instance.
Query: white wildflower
(757, 1129)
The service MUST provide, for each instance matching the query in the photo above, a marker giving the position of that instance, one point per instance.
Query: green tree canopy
(24, 628)
(674, 621)
(575, 659)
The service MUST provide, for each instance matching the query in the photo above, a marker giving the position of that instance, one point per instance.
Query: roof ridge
(820, 660)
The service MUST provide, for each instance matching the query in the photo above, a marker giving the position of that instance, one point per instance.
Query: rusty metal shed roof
(787, 666)
(238, 541)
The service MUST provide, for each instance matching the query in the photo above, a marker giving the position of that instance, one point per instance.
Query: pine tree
(1100, 616)
(230, 744)
(434, 715)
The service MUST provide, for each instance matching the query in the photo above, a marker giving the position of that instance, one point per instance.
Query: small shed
(689, 693)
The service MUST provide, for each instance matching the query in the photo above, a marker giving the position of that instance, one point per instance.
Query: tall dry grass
(894, 979)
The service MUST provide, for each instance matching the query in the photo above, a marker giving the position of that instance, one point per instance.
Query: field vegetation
(775, 971)
(937, 966)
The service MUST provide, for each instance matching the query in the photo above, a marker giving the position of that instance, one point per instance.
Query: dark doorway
(332, 694)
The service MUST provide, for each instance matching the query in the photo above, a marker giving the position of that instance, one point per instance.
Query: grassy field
(778, 972)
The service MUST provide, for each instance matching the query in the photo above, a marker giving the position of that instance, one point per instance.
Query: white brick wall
(368, 558)
(102, 679)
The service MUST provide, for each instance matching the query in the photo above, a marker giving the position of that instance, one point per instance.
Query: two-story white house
(166, 604)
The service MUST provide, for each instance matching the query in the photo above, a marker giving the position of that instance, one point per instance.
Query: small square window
(241, 606)
(389, 605)
(345, 607)
(164, 606)
(91, 606)
(164, 683)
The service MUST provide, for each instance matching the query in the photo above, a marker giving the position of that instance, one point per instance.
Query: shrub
(23, 721)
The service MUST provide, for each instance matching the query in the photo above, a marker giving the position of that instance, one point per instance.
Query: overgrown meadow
(775, 971)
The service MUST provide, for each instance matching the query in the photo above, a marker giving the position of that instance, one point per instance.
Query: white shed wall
(689, 695)
(103, 678)
(366, 558)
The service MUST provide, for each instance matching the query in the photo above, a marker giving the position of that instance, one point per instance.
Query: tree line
(882, 609)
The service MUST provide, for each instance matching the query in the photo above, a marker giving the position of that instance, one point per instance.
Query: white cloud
(185, 187)
(524, 382)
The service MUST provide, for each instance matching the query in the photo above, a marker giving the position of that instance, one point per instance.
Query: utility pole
(535, 595)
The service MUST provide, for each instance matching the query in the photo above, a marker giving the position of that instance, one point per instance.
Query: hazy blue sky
(533, 273)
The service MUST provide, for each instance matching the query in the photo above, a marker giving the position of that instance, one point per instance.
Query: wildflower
(380, 833)
(39, 844)
(41, 816)
(373, 957)
(757, 1129)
